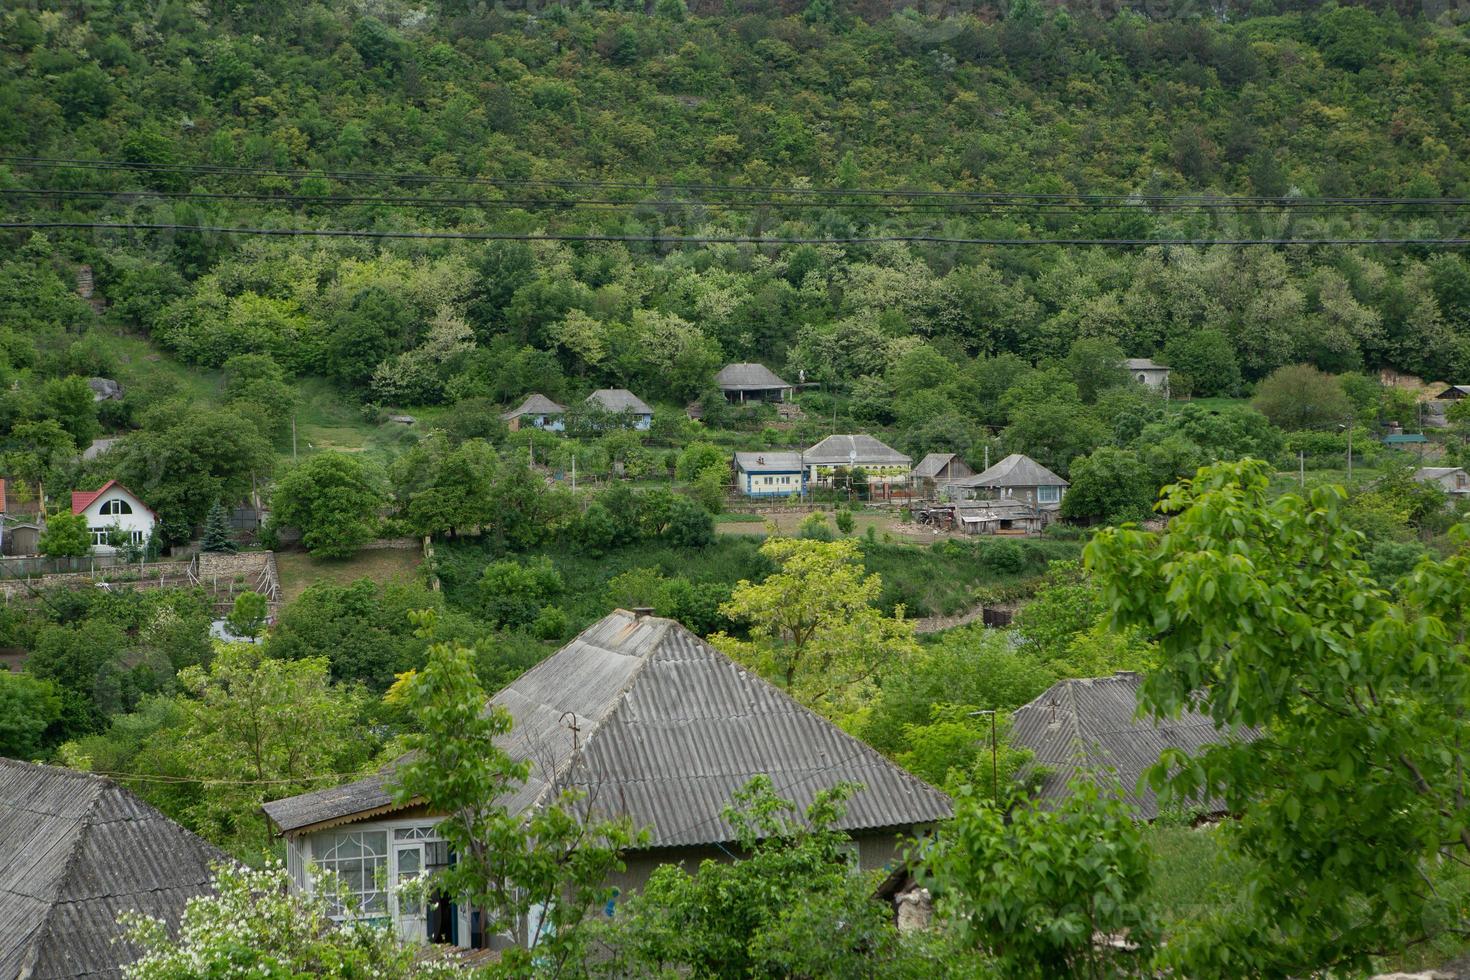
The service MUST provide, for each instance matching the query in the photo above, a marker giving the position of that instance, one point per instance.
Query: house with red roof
(113, 508)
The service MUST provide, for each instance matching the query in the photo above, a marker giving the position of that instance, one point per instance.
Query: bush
(1003, 557)
(815, 528)
(690, 525)
(845, 522)
(512, 594)
(551, 623)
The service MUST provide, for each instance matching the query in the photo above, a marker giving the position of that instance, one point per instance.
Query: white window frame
(1048, 495)
(116, 507)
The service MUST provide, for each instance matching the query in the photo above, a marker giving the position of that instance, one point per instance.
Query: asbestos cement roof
(1143, 364)
(748, 377)
(535, 404)
(839, 450)
(1015, 470)
(783, 462)
(933, 464)
(78, 849)
(1090, 726)
(666, 730)
(620, 400)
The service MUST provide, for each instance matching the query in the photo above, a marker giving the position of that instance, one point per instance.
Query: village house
(653, 724)
(1453, 393)
(1089, 727)
(1146, 372)
(1017, 478)
(78, 850)
(884, 465)
(940, 469)
(538, 412)
(770, 474)
(623, 401)
(21, 518)
(1453, 480)
(113, 509)
(751, 382)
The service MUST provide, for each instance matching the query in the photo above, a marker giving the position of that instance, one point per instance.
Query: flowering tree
(254, 923)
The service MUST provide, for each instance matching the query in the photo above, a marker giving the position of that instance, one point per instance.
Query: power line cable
(724, 239)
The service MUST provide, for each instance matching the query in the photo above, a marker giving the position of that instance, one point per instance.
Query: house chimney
(642, 611)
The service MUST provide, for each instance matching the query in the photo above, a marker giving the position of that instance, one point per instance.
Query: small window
(99, 535)
(1048, 495)
(114, 507)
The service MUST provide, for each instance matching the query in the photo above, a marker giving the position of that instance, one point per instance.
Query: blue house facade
(770, 474)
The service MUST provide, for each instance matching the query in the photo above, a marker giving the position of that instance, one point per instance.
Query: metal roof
(774, 462)
(78, 849)
(620, 400)
(1091, 725)
(1014, 471)
(535, 404)
(666, 730)
(933, 464)
(748, 377)
(839, 450)
(1436, 472)
(1143, 364)
(1405, 438)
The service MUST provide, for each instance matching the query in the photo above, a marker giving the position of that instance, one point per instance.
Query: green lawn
(143, 368)
(297, 569)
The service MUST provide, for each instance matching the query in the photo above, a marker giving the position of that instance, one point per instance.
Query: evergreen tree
(217, 530)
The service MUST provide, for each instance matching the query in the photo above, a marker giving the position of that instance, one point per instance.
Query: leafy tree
(247, 616)
(1034, 885)
(460, 495)
(1207, 360)
(257, 388)
(513, 594)
(690, 525)
(812, 623)
(29, 708)
(1053, 433)
(254, 920)
(66, 535)
(1301, 397)
(333, 499)
(1266, 615)
(1095, 364)
(556, 855)
(1109, 485)
(217, 536)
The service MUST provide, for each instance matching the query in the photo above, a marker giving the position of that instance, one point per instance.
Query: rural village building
(939, 469)
(1453, 393)
(78, 849)
(1089, 727)
(652, 723)
(770, 474)
(537, 412)
(1453, 480)
(1018, 478)
(114, 507)
(883, 464)
(621, 400)
(751, 382)
(1146, 372)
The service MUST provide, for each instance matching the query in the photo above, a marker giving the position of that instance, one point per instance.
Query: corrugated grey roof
(1090, 725)
(838, 450)
(769, 462)
(669, 729)
(1436, 472)
(995, 509)
(620, 400)
(75, 850)
(748, 377)
(931, 465)
(1143, 364)
(535, 404)
(1015, 470)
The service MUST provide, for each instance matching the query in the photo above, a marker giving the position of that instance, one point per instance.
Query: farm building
(663, 729)
(537, 412)
(1089, 727)
(751, 382)
(770, 474)
(78, 850)
(939, 469)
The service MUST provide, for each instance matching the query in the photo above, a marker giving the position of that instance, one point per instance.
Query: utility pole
(1301, 464)
(994, 756)
(293, 437)
(574, 472)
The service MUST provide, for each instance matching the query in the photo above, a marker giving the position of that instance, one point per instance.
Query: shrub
(1003, 557)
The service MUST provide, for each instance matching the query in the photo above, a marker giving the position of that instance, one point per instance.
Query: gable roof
(82, 499)
(1143, 364)
(748, 377)
(78, 850)
(1436, 472)
(770, 462)
(1454, 390)
(837, 450)
(667, 729)
(1090, 725)
(534, 404)
(1015, 470)
(620, 400)
(933, 464)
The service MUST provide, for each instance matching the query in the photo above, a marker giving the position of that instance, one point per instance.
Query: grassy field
(143, 367)
(884, 524)
(298, 570)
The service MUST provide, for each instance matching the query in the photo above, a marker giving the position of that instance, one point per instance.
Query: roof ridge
(84, 825)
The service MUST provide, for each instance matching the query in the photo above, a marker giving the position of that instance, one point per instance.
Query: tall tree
(333, 499)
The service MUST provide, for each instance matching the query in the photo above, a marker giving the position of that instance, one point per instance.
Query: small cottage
(1017, 477)
(751, 382)
(884, 465)
(537, 412)
(1453, 393)
(114, 509)
(78, 849)
(1090, 727)
(1147, 373)
(770, 474)
(656, 725)
(938, 469)
(624, 402)
(1453, 480)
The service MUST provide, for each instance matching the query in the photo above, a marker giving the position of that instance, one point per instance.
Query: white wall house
(113, 506)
